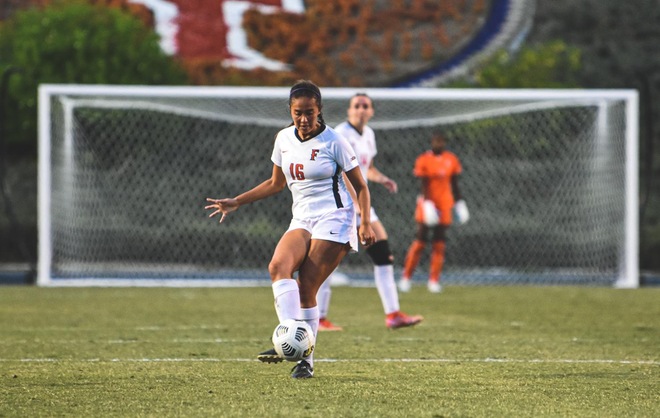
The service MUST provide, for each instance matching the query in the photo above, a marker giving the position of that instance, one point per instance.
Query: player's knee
(277, 269)
(418, 245)
(380, 253)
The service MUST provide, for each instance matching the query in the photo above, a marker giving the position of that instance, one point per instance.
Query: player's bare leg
(289, 254)
(322, 259)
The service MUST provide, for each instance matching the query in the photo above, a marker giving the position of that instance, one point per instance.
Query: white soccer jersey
(364, 145)
(313, 170)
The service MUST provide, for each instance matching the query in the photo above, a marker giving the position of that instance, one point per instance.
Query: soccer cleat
(434, 287)
(400, 320)
(302, 370)
(404, 285)
(269, 356)
(326, 325)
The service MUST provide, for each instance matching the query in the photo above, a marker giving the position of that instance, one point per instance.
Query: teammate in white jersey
(308, 157)
(363, 140)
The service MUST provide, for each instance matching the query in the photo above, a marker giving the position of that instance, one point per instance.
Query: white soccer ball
(293, 339)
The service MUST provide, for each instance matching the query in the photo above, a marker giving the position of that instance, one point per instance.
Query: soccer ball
(293, 339)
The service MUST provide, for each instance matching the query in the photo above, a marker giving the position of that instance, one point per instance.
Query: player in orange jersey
(438, 170)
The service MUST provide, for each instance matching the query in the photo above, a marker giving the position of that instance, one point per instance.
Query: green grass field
(481, 352)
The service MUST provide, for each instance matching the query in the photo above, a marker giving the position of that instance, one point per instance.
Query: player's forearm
(364, 202)
(375, 175)
(456, 191)
(362, 191)
(262, 191)
(425, 188)
(350, 189)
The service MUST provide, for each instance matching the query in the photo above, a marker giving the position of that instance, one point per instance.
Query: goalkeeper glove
(430, 212)
(462, 212)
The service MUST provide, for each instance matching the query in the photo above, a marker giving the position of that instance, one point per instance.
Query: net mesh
(543, 178)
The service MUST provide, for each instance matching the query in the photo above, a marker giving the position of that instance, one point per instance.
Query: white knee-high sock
(311, 316)
(323, 299)
(384, 277)
(287, 299)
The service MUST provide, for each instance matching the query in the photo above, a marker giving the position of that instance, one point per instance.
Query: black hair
(307, 88)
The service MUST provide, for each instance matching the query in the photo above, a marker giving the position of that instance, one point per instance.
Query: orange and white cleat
(326, 325)
(400, 320)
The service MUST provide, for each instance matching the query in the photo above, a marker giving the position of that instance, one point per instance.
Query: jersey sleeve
(420, 169)
(276, 157)
(458, 168)
(344, 154)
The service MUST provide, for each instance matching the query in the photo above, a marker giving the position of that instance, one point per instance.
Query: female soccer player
(438, 170)
(362, 138)
(309, 158)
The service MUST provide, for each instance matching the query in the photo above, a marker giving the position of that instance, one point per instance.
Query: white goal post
(550, 176)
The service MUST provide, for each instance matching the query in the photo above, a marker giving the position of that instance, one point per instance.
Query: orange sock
(437, 260)
(412, 258)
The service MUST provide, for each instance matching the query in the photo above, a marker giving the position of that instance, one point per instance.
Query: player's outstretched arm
(275, 184)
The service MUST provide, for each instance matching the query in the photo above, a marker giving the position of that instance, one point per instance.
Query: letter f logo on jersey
(315, 152)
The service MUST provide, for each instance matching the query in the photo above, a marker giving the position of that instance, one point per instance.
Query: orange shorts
(445, 213)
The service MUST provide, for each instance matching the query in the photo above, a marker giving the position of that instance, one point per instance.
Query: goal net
(550, 177)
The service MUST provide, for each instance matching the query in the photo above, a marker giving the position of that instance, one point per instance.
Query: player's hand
(221, 206)
(430, 213)
(391, 185)
(366, 235)
(462, 212)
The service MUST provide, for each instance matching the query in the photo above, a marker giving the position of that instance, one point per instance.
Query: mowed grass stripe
(337, 360)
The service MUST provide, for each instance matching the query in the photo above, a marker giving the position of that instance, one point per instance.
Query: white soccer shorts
(337, 226)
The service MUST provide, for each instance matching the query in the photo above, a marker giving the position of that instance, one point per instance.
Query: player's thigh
(322, 259)
(379, 230)
(422, 232)
(440, 233)
(289, 253)
(376, 225)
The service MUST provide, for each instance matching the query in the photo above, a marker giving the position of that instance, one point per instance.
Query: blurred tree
(75, 42)
(549, 65)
